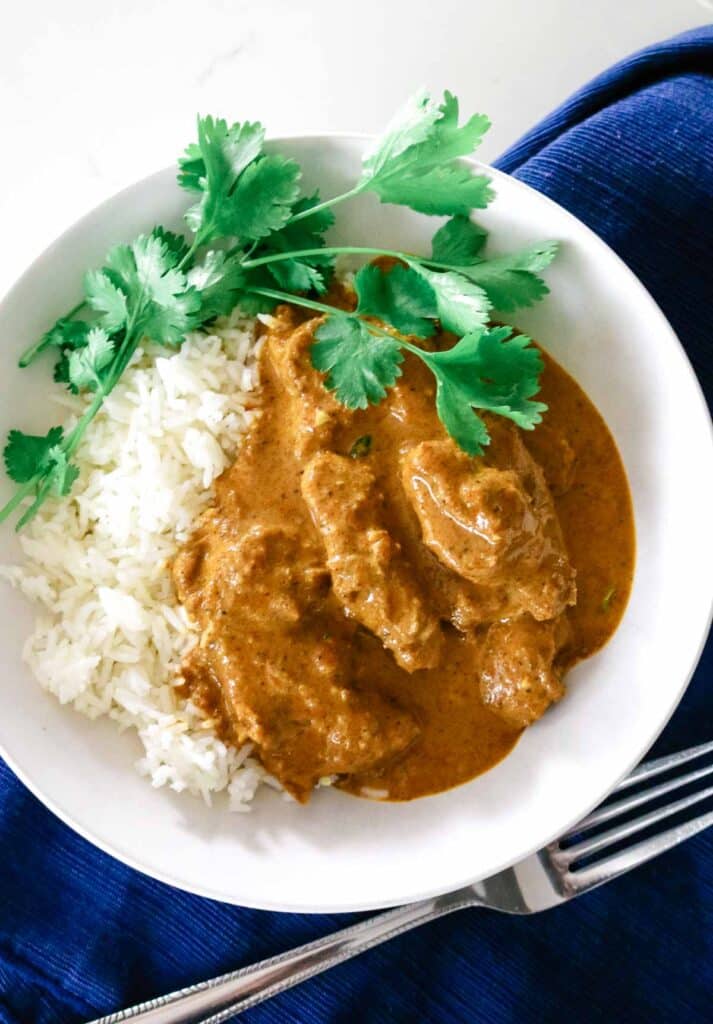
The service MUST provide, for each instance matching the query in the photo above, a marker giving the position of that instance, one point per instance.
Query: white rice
(109, 632)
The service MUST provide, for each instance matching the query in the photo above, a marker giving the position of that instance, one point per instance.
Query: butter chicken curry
(378, 608)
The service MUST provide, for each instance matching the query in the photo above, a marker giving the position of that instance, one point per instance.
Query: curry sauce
(380, 609)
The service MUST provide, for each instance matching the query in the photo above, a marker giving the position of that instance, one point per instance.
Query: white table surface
(96, 95)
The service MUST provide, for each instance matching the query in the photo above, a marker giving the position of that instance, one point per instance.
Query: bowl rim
(633, 282)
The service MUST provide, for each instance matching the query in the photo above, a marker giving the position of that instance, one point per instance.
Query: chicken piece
(275, 653)
(517, 678)
(369, 574)
(494, 525)
(315, 414)
(546, 588)
(268, 572)
(469, 605)
(283, 577)
(483, 521)
(292, 700)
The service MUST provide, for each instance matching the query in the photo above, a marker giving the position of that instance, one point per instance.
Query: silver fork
(552, 876)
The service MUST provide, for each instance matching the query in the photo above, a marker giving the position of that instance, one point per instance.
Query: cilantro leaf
(107, 298)
(299, 275)
(191, 169)
(306, 233)
(60, 373)
(197, 219)
(68, 336)
(174, 244)
(449, 141)
(161, 303)
(459, 240)
(121, 268)
(65, 333)
(443, 191)
(239, 145)
(262, 199)
(462, 306)
(422, 136)
(167, 322)
(492, 370)
(411, 126)
(220, 154)
(26, 455)
(212, 166)
(302, 273)
(244, 193)
(359, 364)
(69, 333)
(511, 280)
(411, 164)
(250, 302)
(220, 281)
(86, 364)
(456, 414)
(55, 474)
(155, 269)
(399, 295)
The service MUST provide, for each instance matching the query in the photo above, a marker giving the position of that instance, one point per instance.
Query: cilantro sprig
(489, 368)
(254, 239)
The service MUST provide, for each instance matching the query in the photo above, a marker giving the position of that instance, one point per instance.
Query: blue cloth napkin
(631, 154)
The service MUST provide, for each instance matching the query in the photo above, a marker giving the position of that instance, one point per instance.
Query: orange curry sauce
(385, 692)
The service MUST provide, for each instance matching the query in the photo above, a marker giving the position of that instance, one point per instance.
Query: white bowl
(341, 853)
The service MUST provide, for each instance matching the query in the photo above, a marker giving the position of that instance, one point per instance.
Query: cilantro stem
(327, 203)
(43, 490)
(195, 244)
(42, 486)
(20, 494)
(329, 250)
(321, 307)
(297, 300)
(348, 250)
(74, 437)
(39, 346)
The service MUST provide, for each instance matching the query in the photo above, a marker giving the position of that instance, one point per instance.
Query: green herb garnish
(485, 370)
(361, 447)
(254, 240)
(608, 598)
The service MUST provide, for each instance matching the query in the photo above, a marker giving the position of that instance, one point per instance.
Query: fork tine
(648, 769)
(630, 803)
(629, 828)
(618, 863)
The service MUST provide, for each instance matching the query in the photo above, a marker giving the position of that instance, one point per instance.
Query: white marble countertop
(95, 96)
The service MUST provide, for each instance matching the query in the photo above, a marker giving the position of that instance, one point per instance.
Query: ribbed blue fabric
(631, 154)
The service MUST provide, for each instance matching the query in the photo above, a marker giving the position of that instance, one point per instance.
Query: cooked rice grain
(109, 633)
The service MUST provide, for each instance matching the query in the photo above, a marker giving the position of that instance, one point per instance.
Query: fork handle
(217, 1000)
